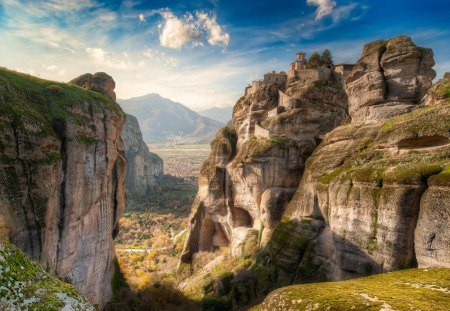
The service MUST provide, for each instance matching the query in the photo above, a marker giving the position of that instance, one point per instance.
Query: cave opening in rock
(423, 142)
(241, 218)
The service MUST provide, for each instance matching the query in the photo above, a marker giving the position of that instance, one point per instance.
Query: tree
(326, 58)
(314, 61)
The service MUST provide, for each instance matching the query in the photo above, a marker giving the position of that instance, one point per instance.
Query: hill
(222, 115)
(414, 289)
(161, 119)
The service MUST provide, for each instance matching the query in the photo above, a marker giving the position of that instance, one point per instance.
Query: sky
(203, 53)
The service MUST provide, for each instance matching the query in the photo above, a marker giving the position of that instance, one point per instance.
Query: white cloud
(344, 12)
(104, 58)
(215, 32)
(177, 32)
(67, 6)
(324, 7)
(54, 69)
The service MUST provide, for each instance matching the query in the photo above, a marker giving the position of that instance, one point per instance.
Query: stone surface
(25, 285)
(374, 194)
(248, 180)
(390, 78)
(400, 290)
(99, 82)
(143, 166)
(62, 177)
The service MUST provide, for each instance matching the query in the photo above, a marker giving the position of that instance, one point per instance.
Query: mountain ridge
(162, 119)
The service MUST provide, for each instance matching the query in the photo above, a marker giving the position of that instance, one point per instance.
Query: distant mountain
(161, 119)
(222, 115)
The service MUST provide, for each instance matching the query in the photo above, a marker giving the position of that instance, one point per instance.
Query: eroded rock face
(143, 167)
(374, 196)
(390, 78)
(62, 176)
(249, 178)
(99, 82)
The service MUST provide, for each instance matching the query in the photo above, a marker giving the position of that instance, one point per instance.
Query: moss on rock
(414, 289)
(25, 285)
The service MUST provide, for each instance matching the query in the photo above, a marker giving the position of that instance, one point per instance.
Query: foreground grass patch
(413, 289)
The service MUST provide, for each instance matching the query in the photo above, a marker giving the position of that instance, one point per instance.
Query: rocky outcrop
(375, 194)
(99, 82)
(62, 176)
(255, 165)
(27, 286)
(390, 78)
(371, 293)
(143, 167)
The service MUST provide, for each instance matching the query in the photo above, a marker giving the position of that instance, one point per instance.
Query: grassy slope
(25, 284)
(414, 289)
(28, 100)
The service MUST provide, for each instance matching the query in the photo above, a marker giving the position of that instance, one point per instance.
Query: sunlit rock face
(390, 78)
(62, 177)
(374, 196)
(255, 165)
(143, 166)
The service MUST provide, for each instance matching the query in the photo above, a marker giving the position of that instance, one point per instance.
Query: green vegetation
(317, 60)
(414, 289)
(370, 164)
(445, 87)
(26, 285)
(30, 101)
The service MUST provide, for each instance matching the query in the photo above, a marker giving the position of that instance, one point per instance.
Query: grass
(413, 289)
(30, 101)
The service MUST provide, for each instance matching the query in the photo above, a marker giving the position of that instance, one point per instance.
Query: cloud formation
(101, 57)
(177, 32)
(324, 7)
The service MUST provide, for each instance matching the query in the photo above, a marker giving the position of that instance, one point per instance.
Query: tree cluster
(318, 60)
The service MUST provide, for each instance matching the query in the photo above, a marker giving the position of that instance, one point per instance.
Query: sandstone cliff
(62, 174)
(375, 194)
(255, 165)
(143, 167)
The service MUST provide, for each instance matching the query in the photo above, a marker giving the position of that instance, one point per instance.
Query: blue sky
(203, 53)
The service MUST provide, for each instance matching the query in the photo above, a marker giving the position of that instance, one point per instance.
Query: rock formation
(255, 166)
(400, 290)
(62, 176)
(25, 285)
(390, 78)
(142, 166)
(99, 82)
(375, 194)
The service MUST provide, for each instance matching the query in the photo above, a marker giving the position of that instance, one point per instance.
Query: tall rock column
(62, 176)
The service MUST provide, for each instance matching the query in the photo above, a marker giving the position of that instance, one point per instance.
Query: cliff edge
(62, 174)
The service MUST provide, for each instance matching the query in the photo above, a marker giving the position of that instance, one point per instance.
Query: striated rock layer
(143, 166)
(62, 175)
(255, 165)
(375, 195)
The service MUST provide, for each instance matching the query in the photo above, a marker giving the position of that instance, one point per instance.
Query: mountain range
(162, 119)
(222, 115)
